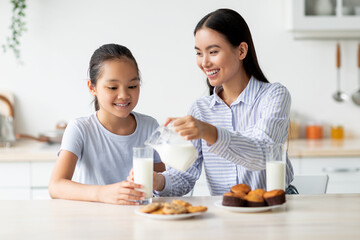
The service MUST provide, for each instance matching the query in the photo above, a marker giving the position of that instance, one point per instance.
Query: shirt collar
(247, 96)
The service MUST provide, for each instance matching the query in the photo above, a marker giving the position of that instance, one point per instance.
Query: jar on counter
(337, 132)
(314, 132)
(294, 130)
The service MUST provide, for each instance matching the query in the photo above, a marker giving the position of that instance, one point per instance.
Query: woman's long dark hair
(232, 25)
(104, 53)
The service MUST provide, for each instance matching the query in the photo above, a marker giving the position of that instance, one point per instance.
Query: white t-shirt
(104, 157)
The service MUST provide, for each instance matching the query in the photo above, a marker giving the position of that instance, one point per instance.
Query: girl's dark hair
(102, 54)
(232, 25)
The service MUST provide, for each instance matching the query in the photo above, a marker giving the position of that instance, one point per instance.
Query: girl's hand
(158, 180)
(130, 178)
(121, 193)
(191, 128)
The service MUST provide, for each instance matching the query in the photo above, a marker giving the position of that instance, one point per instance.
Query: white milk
(179, 156)
(275, 175)
(143, 174)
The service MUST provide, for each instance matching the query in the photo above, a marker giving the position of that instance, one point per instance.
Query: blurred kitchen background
(50, 86)
(296, 43)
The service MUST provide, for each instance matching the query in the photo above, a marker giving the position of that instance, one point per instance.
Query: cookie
(170, 208)
(150, 207)
(193, 209)
(159, 211)
(181, 203)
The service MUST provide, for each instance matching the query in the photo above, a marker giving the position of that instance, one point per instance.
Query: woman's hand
(121, 193)
(158, 181)
(191, 128)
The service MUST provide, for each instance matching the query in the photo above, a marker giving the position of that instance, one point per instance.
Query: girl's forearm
(67, 189)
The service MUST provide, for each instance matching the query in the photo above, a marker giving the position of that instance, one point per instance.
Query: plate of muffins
(242, 199)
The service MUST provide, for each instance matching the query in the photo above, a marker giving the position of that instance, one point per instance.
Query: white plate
(247, 209)
(168, 217)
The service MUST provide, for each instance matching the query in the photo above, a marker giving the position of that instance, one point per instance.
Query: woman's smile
(212, 73)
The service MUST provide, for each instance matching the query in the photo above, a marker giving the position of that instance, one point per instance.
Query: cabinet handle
(338, 170)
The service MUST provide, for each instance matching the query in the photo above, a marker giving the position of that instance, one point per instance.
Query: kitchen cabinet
(25, 170)
(14, 181)
(323, 19)
(340, 159)
(25, 180)
(344, 172)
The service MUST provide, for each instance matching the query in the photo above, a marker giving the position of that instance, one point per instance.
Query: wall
(51, 84)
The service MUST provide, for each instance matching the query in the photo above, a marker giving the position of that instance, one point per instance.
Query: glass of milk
(275, 166)
(143, 167)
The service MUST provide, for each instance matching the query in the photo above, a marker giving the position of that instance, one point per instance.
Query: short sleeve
(72, 140)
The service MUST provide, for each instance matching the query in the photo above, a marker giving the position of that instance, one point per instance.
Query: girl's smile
(122, 104)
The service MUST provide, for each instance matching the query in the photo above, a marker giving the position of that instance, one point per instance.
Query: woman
(230, 128)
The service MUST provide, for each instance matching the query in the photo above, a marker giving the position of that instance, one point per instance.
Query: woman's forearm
(209, 133)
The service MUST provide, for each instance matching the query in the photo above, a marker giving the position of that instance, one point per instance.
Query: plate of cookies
(242, 199)
(177, 209)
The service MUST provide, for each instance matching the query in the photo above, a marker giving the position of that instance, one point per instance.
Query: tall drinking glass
(143, 167)
(275, 166)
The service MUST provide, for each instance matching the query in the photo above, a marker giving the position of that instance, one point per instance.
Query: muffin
(233, 199)
(274, 197)
(254, 200)
(240, 188)
(258, 191)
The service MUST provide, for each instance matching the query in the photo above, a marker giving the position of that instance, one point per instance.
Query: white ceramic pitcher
(174, 151)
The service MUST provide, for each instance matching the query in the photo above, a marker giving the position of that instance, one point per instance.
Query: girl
(231, 127)
(99, 146)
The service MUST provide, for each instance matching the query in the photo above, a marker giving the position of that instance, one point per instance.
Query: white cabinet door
(15, 181)
(296, 163)
(14, 193)
(344, 173)
(40, 173)
(15, 174)
(40, 176)
(25, 180)
(40, 194)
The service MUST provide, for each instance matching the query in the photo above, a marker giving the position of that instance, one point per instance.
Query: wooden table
(331, 216)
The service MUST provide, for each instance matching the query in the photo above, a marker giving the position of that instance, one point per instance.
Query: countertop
(29, 150)
(328, 216)
(324, 148)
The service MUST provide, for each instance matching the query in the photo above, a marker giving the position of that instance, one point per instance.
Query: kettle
(7, 136)
(174, 151)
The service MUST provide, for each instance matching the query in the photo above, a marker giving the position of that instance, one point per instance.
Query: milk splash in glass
(143, 167)
(174, 151)
(275, 166)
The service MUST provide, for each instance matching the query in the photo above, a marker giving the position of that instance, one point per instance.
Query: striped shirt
(258, 116)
